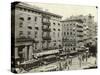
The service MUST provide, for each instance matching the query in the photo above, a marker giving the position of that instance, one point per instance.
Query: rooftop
(33, 8)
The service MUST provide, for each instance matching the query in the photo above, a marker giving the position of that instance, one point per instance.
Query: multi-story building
(91, 27)
(52, 29)
(56, 32)
(78, 31)
(36, 31)
(28, 24)
(72, 29)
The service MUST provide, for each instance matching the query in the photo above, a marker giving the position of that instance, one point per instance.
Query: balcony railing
(24, 39)
(46, 29)
(46, 23)
(64, 39)
(80, 40)
(79, 35)
(79, 30)
(46, 37)
(48, 48)
(79, 26)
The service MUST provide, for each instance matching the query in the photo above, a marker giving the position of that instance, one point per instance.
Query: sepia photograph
(48, 37)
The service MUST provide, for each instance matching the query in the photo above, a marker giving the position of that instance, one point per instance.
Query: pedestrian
(80, 60)
(68, 64)
(83, 57)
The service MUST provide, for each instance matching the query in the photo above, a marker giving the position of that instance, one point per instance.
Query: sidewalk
(76, 64)
(45, 67)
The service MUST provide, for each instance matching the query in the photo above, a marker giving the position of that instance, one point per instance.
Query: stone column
(30, 52)
(25, 52)
(16, 52)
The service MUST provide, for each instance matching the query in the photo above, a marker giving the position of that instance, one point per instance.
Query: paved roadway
(76, 65)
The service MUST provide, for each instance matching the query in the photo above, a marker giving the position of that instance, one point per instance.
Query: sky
(68, 10)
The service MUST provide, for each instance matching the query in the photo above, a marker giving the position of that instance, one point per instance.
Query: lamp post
(87, 50)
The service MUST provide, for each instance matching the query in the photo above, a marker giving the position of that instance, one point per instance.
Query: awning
(29, 61)
(51, 56)
(46, 53)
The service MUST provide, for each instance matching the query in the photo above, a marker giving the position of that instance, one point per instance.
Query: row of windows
(28, 33)
(68, 33)
(54, 34)
(29, 18)
(21, 33)
(21, 25)
(70, 49)
(55, 29)
(56, 40)
(69, 24)
(55, 23)
(69, 44)
(35, 19)
(22, 21)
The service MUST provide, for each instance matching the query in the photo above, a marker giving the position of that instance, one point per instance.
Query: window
(36, 34)
(74, 48)
(29, 27)
(35, 45)
(20, 33)
(24, 9)
(64, 33)
(29, 18)
(21, 18)
(54, 29)
(58, 34)
(58, 29)
(67, 33)
(35, 19)
(28, 32)
(20, 24)
(71, 33)
(53, 23)
(54, 34)
(54, 44)
(59, 24)
(37, 28)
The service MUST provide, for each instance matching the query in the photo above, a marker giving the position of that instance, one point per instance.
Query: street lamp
(87, 50)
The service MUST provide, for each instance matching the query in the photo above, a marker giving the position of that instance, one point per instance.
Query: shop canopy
(46, 52)
(29, 61)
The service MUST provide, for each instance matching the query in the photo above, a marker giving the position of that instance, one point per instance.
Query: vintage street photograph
(49, 37)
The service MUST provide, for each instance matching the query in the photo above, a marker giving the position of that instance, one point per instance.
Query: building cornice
(31, 8)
